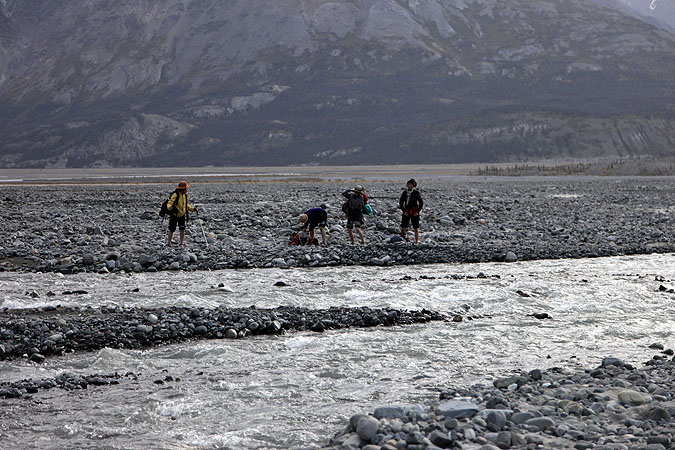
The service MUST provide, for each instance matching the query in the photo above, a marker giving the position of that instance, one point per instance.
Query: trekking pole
(202, 227)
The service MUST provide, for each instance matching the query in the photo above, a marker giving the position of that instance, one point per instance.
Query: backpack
(302, 239)
(355, 203)
(164, 211)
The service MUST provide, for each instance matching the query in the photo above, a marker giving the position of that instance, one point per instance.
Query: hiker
(353, 207)
(315, 217)
(178, 207)
(411, 204)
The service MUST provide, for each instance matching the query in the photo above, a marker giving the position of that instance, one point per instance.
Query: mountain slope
(660, 13)
(188, 82)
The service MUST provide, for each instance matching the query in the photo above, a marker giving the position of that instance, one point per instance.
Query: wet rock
(367, 428)
(606, 362)
(503, 383)
(389, 412)
(457, 409)
(231, 333)
(510, 257)
(38, 358)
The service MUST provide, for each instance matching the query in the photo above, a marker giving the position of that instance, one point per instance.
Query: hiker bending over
(411, 203)
(353, 208)
(315, 217)
(178, 206)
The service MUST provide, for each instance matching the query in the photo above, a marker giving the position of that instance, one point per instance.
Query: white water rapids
(296, 391)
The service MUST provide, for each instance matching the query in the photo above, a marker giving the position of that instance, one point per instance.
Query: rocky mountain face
(657, 12)
(252, 82)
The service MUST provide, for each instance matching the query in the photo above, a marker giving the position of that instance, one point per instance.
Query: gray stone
(231, 333)
(504, 383)
(56, 337)
(442, 440)
(414, 438)
(152, 318)
(631, 398)
(353, 442)
(496, 420)
(451, 424)
(354, 420)
(661, 440)
(612, 362)
(521, 417)
(367, 428)
(88, 259)
(510, 257)
(656, 414)
(389, 412)
(457, 409)
(174, 266)
(503, 439)
(542, 423)
(535, 374)
(146, 260)
(38, 358)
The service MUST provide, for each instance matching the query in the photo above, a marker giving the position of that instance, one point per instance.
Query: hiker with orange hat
(178, 207)
(315, 217)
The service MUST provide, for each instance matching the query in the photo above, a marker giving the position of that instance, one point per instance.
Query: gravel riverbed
(113, 228)
(615, 406)
(53, 331)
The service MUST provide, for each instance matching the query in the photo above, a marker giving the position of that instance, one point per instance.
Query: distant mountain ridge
(252, 82)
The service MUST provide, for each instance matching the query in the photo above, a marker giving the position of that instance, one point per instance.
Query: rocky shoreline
(38, 333)
(615, 406)
(115, 228)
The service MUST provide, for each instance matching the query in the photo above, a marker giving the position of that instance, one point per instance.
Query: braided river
(297, 390)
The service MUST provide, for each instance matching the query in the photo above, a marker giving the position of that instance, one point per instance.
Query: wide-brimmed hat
(303, 218)
(358, 188)
(183, 185)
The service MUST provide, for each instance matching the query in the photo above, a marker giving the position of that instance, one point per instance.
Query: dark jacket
(354, 214)
(316, 216)
(411, 201)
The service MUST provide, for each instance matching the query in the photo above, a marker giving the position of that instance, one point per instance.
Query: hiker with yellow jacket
(178, 206)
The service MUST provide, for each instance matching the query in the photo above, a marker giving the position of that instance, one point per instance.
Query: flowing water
(297, 390)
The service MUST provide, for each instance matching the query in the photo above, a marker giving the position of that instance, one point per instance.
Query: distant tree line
(633, 165)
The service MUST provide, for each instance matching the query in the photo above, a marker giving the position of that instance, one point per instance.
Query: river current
(295, 391)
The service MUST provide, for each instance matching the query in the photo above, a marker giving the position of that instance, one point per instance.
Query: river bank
(115, 227)
(615, 406)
